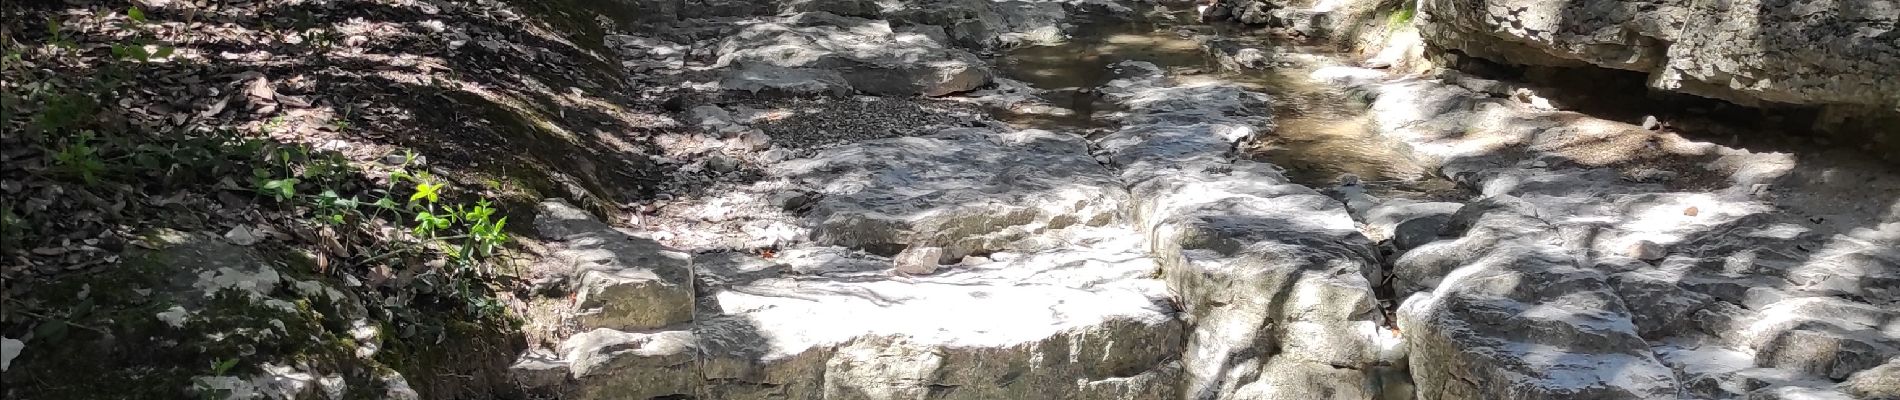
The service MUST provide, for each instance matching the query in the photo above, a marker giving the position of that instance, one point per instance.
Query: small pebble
(1645, 250)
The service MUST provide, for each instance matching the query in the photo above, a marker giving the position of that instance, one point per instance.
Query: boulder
(1409, 224)
(868, 54)
(1800, 51)
(624, 282)
(1523, 321)
(609, 364)
(1235, 56)
(1571, 279)
(1882, 382)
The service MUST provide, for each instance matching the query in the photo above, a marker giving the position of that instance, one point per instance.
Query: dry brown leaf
(216, 108)
(262, 89)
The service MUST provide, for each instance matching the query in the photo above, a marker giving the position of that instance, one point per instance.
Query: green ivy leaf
(135, 14)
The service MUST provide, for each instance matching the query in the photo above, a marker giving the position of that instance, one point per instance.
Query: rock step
(1569, 210)
(1273, 275)
(1083, 322)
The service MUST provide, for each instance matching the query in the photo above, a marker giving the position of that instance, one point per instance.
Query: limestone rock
(1523, 322)
(610, 364)
(1255, 258)
(540, 371)
(919, 260)
(848, 8)
(990, 25)
(976, 190)
(1233, 56)
(1882, 382)
(1084, 321)
(1540, 296)
(625, 282)
(1409, 224)
(1800, 52)
(774, 81)
(900, 63)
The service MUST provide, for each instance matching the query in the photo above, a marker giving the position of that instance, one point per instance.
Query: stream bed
(1320, 135)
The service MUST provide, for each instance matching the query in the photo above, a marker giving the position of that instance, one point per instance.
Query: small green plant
(1402, 16)
(217, 368)
(281, 189)
(76, 157)
(140, 47)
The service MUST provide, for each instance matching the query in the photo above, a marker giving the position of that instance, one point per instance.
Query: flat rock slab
(1589, 250)
(621, 282)
(869, 55)
(970, 189)
(1086, 321)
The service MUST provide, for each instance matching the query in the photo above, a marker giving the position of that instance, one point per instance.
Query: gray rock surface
(972, 189)
(1804, 52)
(1590, 282)
(610, 364)
(774, 81)
(987, 24)
(1882, 382)
(868, 54)
(1084, 321)
(1408, 224)
(1517, 317)
(848, 8)
(624, 282)
(1273, 275)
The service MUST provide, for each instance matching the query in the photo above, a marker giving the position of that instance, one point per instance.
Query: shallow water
(1321, 133)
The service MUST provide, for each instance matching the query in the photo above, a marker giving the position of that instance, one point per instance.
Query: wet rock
(1233, 56)
(625, 282)
(1309, 23)
(903, 64)
(1255, 258)
(1409, 224)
